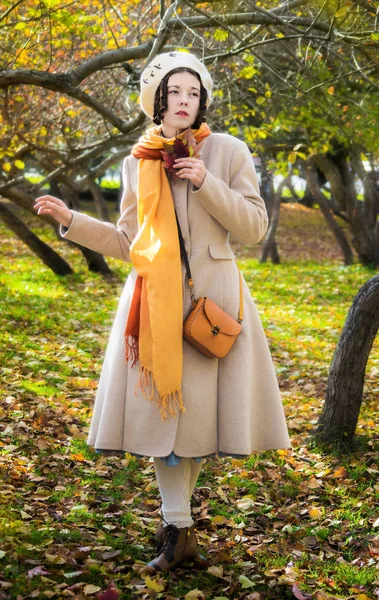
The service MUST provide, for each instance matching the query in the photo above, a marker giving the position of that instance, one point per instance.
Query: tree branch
(9, 10)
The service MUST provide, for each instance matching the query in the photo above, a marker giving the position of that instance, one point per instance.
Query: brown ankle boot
(177, 545)
(158, 534)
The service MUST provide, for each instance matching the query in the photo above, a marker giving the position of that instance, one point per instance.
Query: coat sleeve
(106, 238)
(238, 206)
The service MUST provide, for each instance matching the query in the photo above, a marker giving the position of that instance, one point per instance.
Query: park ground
(295, 523)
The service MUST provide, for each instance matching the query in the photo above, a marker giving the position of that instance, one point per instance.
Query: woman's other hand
(191, 168)
(54, 207)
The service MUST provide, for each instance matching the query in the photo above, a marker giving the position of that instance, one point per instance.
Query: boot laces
(169, 535)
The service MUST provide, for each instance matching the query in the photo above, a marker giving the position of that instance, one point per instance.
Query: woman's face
(183, 96)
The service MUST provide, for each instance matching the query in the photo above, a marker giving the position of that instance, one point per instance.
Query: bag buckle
(215, 329)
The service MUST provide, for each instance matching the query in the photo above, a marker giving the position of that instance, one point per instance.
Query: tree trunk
(344, 392)
(267, 187)
(314, 188)
(343, 189)
(370, 193)
(95, 261)
(269, 247)
(307, 199)
(42, 250)
(291, 188)
(274, 253)
(268, 194)
(371, 202)
(100, 203)
(70, 196)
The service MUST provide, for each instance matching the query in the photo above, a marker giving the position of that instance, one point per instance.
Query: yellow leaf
(7, 167)
(154, 585)
(340, 472)
(248, 73)
(220, 35)
(279, 35)
(78, 456)
(222, 494)
(331, 90)
(315, 513)
(342, 12)
(292, 157)
(219, 520)
(19, 164)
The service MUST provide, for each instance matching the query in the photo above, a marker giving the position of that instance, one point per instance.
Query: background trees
(296, 79)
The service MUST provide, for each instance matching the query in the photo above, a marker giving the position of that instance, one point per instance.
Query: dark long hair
(160, 98)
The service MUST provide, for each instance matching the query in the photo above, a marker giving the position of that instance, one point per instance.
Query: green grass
(306, 521)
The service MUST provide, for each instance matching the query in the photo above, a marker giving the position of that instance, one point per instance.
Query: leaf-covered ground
(295, 523)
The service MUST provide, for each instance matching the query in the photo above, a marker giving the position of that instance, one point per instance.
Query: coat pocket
(221, 251)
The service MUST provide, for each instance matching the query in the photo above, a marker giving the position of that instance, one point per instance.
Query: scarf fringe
(132, 349)
(168, 403)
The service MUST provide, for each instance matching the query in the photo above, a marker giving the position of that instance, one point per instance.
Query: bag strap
(184, 256)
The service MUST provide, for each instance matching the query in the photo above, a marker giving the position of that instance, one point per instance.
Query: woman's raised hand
(54, 207)
(191, 168)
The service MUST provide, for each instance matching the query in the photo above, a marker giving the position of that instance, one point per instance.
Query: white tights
(176, 486)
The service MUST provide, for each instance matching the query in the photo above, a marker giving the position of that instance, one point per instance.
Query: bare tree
(338, 420)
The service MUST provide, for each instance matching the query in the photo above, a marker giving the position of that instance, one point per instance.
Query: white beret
(162, 64)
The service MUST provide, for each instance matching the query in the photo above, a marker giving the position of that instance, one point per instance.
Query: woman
(165, 399)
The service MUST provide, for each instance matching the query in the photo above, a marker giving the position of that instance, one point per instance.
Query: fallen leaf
(315, 513)
(194, 595)
(111, 593)
(245, 582)
(219, 520)
(245, 503)
(216, 571)
(299, 594)
(91, 589)
(154, 584)
(340, 472)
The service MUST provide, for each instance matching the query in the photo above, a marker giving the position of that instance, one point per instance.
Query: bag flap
(217, 317)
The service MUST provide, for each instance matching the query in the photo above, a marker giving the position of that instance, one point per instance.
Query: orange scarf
(154, 329)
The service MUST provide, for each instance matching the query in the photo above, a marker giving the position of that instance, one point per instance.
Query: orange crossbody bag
(209, 328)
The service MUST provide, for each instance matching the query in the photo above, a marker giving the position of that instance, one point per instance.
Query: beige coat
(233, 405)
